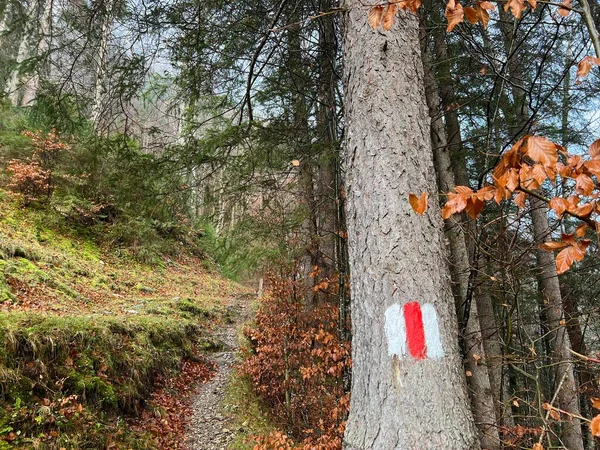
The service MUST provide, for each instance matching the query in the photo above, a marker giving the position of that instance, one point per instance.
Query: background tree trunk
(480, 391)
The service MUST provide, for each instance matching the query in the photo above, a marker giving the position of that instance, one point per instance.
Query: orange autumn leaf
(479, 13)
(456, 203)
(553, 245)
(542, 150)
(484, 16)
(580, 230)
(595, 426)
(595, 402)
(569, 255)
(595, 149)
(537, 446)
(520, 199)
(419, 204)
(375, 16)
(471, 14)
(565, 11)
(554, 414)
(558, 205)
(412, 5)
(584, 185)
(584, 210)
(584, 67)
(454, 13)
(474, 207)
(532, 3)
(389, 16)
(593, 166)
(516, 7)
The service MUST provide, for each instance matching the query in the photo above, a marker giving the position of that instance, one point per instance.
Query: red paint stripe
(415, 335)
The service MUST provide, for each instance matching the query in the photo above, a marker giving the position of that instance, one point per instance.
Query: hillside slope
(86, 333)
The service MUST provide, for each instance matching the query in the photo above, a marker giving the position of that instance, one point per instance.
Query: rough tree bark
(399, 401)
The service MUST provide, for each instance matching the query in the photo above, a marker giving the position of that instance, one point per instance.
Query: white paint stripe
(395, 329)
(432, 332)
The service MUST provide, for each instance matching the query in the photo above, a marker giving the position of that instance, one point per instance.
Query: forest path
(210, 427)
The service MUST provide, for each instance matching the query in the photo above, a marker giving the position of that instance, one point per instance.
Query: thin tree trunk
(101, 69)
(31, 84)
(548, 282)
(404, 396)
(557, 336)
(13, 87)
(480, 391)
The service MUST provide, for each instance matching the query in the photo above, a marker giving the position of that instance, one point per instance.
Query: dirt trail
(210, 427)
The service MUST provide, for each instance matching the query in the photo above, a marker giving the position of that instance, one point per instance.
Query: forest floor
(98, 350)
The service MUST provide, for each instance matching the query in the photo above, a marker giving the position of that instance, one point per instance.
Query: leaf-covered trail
(210, 426)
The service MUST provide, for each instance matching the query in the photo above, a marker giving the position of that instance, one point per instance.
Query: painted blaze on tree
(408, 389)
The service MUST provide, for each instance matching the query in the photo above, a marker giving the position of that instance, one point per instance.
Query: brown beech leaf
(412, 5)
(554, 414)
(595, 149)
(479, 13)
(532, 3)
(482, 9)
(593, 166)
(584, 210)
(511, 158)
(584, 67)
(568, 238)
(474, 207)
(471, 14)
(595, 426)
(486, 193)
(537, 446)
(565, 11)
(375, 16)
(595, 402)
(542, 150)
(558, 205)
(456, 203)
(389, 16)
(576, 162)
(580, 231)
(501, 194)
(528, 180)
(419, 204)
(454, 14)
(569, 255)
(584, 185)
(553, 245)
(516, 7)
(520, 200)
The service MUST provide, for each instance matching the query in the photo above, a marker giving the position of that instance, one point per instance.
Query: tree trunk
(480, 391)
(408, 387)
(548, 282)
(32, 82)
(100, 89)
(15, 81)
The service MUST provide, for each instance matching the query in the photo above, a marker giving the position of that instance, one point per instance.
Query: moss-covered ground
(85, 333)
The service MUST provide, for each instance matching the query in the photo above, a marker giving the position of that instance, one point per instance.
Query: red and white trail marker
(413, 329)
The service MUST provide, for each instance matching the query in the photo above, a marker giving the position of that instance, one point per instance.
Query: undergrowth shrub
(34, 178)
(297, 366)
